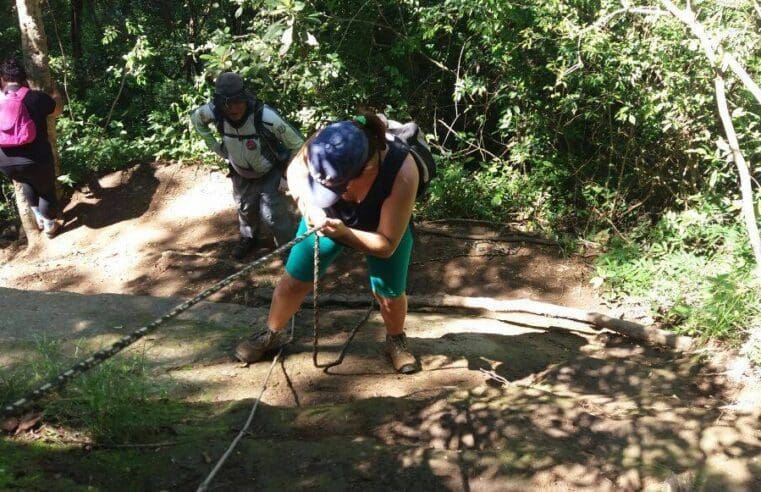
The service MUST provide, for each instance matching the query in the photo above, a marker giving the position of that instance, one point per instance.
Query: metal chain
(316, 316)
(62, 379)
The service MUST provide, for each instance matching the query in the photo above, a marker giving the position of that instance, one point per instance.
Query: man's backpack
(272, 149)
(410, 134)
(16, 125)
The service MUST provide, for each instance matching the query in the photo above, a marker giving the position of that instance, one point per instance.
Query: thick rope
(316, 316)
(98, 357)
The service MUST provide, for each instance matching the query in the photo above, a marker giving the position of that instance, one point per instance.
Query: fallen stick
(646, 334)
(454, 220)
(649, 335)
(511, 238)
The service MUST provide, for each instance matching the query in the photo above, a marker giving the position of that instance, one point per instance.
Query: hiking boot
(254, 347)
(243, 248)
(401, 357)
(51, 227)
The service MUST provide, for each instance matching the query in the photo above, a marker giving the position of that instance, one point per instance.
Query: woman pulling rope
(359, 182)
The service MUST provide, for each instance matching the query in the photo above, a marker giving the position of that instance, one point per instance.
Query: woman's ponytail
(375, 130)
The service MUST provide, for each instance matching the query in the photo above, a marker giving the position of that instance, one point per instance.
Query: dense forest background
(591, 121)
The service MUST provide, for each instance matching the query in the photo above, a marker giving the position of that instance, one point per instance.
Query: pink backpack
(16, 126)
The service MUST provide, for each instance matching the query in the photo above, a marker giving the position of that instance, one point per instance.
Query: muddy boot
(254, 347)
(243, 248)
(401, 357)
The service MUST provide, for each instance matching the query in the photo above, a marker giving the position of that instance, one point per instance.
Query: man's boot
(254, 347)
(401, 357)
(243, 248)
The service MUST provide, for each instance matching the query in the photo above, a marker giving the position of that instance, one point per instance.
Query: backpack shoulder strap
(219, 119)
(265, 134)
(17, 94)
(258, 111)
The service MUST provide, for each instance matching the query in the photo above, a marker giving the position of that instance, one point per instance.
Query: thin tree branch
(116, 99)
(713, 50)
(720, 62)
(746, 190)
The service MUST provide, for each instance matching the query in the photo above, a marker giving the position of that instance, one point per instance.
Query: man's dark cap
(230, 86)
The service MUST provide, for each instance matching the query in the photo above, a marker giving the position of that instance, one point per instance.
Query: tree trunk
(34, 45)
(28, 221)
(76, 31)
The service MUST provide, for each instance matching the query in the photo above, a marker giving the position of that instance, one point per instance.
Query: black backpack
(410, 134)
(272, 149)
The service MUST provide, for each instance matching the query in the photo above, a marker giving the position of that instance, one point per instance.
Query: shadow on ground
(126, 198)
(579, 411)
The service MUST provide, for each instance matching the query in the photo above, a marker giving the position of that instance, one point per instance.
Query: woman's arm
(298, 185)
(394, 219)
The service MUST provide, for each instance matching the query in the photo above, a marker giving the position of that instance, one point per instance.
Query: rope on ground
(98, 357)
(316, 317)
(316, 281)
(205, 484)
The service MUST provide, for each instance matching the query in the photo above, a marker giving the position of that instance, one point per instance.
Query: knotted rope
(316, 316)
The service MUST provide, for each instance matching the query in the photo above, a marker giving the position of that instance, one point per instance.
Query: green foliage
(537, 111)
(7, 205)
(87, 148)
(494, 192)
(116, 402)
(695, 270)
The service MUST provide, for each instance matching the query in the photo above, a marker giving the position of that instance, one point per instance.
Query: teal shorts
(388, 276)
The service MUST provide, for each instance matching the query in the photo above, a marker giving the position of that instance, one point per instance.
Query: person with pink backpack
(25, 153)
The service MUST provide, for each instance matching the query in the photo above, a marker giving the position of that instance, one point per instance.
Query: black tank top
(365, 215)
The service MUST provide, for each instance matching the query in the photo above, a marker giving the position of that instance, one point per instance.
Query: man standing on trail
(25, 152)
(359, 183)
(257, 144)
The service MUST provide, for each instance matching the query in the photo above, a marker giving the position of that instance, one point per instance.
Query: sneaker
(243, 248)
(401, 357)
(254, 347)
(39, 218)
(51, 227)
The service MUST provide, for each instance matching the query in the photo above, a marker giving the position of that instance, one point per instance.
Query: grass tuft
(116, 402)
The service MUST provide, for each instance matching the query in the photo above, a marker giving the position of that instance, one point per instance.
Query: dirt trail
(582, 410)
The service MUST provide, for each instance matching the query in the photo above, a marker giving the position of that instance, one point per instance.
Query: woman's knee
(289, 286)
